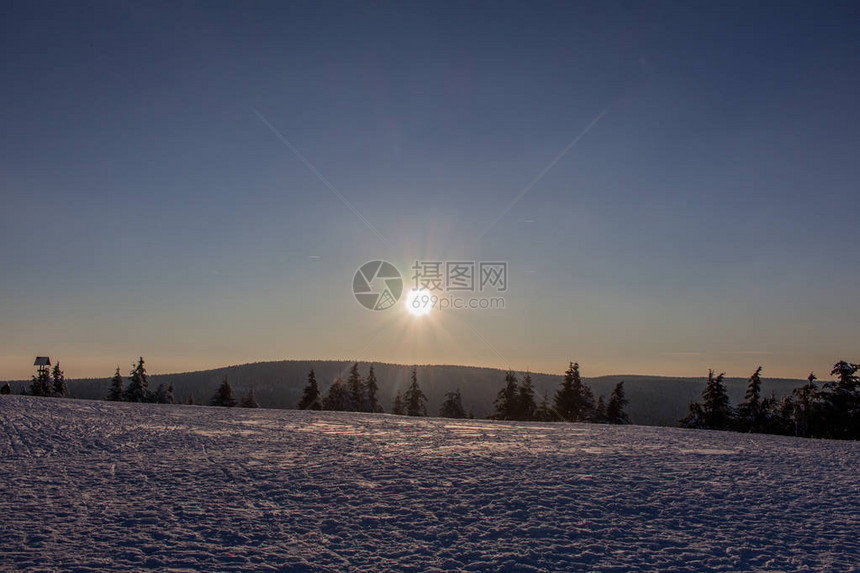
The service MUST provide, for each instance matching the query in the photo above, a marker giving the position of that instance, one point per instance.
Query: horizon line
(415, 365)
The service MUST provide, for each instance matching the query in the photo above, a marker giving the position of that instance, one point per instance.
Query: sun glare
(419, 302)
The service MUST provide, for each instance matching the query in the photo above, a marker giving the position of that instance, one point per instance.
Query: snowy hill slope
(116, 486)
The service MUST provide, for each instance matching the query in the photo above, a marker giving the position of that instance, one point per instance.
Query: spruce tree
(310, 399)
(355, 383)
(6, 389)
(545, 412)
(372, 392)
(750, 411)
(804, 398)
(526, 407)
(840, 411)
(160, 395)
(138, 386)
(753, 395)
(116, 392)
(249, 400)
(777, 415)
(574, 401)
(507, 399)
(338, 397)
(224, 395)
(615, 413)
(715, 403)
(60, 388)
(414, 399)
(695, 417)
(452, 407)
(40, 383)
(588, 409)
(846, 374)
(600, 411)
(399, 407)
(565, 397)
(163, 394)
(782, 415)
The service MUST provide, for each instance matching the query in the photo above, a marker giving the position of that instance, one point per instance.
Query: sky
(673, 186)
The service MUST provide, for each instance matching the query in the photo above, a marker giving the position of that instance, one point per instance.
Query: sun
(419, 302)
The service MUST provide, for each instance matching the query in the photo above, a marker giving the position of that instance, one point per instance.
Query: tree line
(573, 402)
(831, 410)
(361, 394)
(51, 383)
(224, 397)
(138, 390)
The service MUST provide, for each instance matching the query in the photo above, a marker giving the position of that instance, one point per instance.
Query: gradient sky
(707, 220)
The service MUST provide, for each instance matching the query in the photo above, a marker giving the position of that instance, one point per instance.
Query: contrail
(544, 172)
(321, 177)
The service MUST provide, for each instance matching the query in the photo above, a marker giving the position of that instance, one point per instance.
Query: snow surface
(94, 485)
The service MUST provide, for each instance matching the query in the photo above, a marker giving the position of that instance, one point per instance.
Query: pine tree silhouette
(116, 392)
(750, 412)
(338, 397)
(545, 412)
(373, 391)
(399, 407)
(805, 398)
(846, 374)
(715, 403)
(357, 399)
(249, 400)
(615, 413)
(138, 386)
(574, 401)
(60, 388)
(452, 407)
(310, 399)
(224, 395)
(160, 395)
(695, 417)
(414, 398)
(840, 408)
(526, 407)
(40, 383)
(600, 411)
(507, 399)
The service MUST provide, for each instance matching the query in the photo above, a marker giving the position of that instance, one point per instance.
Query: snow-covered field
(92, 485)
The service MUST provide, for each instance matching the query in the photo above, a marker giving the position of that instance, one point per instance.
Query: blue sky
(707, 220)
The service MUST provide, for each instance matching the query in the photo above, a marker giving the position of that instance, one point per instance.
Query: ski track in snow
(105, 486)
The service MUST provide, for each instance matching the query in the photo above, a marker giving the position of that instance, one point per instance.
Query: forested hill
(654, 400)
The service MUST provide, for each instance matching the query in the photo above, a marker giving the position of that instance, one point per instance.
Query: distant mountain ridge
(654, 400)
